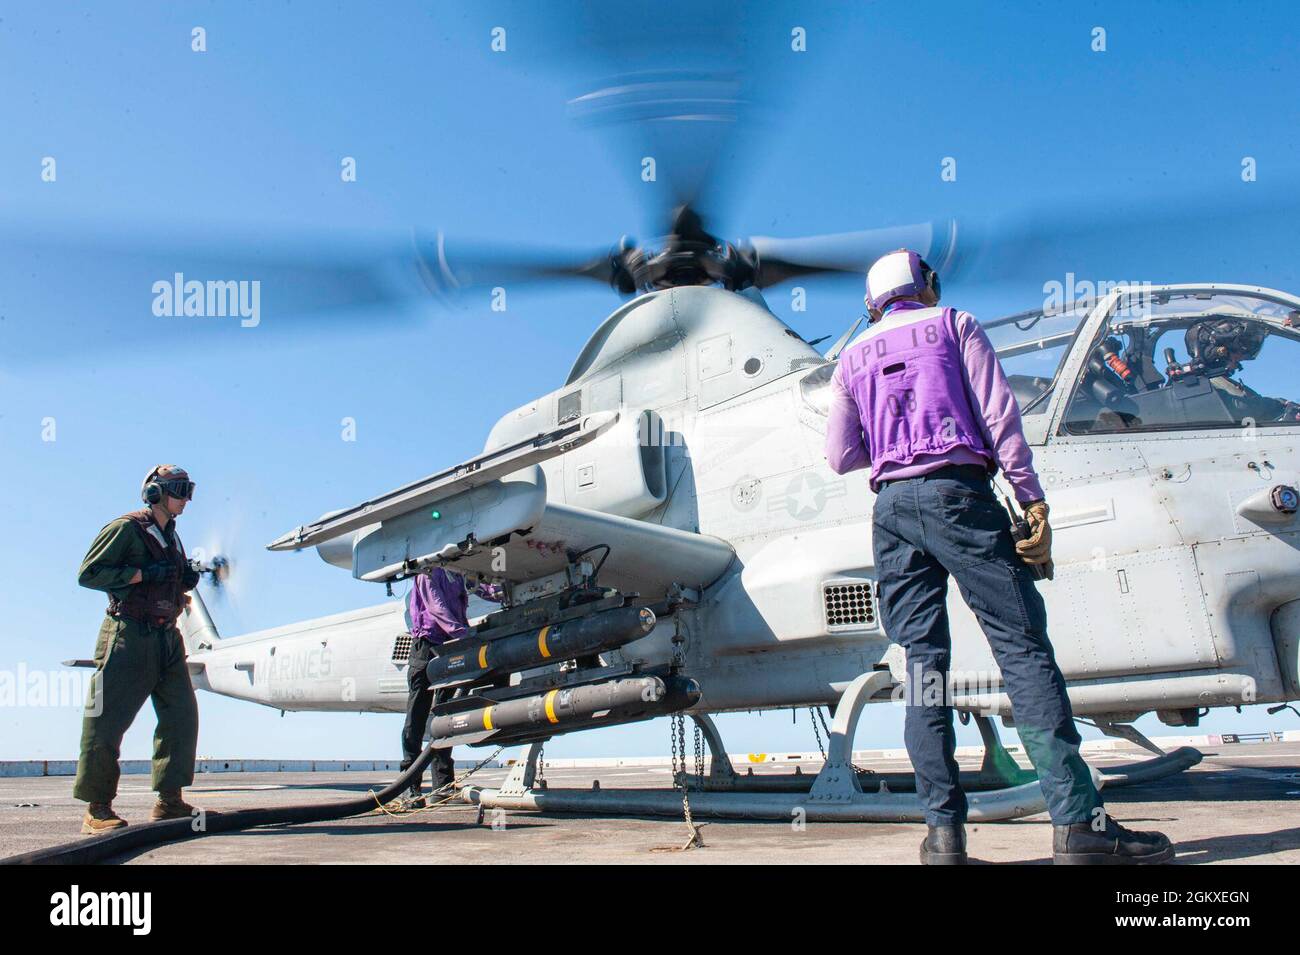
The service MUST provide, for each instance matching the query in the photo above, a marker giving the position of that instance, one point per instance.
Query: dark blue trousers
(949, 523)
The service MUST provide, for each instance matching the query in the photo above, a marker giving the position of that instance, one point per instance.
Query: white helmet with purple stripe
(899, 274)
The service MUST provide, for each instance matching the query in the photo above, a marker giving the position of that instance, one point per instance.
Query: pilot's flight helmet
(899, 274)
(1216, 341)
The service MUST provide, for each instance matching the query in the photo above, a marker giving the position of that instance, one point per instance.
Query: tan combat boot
(100, 818)
(170, 805)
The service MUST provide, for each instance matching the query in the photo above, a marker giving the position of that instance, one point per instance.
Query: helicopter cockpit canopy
(1032, 347)
(1190, 360)
(1162, 360)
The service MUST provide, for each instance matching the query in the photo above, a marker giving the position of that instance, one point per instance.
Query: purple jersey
(921, 389)
(437, 606)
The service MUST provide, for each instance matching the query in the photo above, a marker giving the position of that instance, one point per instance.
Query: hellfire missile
(531, 718)
(473, 660)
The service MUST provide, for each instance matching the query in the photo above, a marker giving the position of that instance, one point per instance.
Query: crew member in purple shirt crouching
(921, 400)
(437, 610)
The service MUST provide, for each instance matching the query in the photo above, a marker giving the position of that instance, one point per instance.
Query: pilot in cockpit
(1217, 349)
(1122, 387)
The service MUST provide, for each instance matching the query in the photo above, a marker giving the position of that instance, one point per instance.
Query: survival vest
(154, 602)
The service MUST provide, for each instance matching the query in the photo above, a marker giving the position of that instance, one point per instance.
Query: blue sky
(154, 141)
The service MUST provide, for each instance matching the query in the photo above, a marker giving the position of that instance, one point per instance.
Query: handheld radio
(1020, 531)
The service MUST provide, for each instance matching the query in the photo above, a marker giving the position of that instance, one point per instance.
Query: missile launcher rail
(547, 611)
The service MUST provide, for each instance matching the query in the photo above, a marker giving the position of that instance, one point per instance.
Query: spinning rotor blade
(782, 259)
(669, 130)
(1139, 239)
(77, 290)
(71, 288)
(450, 267)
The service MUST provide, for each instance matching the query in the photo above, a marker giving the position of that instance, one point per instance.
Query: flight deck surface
(1241, 805)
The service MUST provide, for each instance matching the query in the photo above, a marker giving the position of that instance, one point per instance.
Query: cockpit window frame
(1086, 305)
(1087, 333)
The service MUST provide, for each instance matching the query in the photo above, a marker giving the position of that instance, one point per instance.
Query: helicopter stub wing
(484, 469)
(508, 531)
(642, 557)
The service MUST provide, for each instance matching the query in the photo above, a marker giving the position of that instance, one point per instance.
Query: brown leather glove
(1037, 547)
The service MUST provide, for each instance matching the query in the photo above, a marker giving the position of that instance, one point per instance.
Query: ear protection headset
(931, 279)
(151, 491)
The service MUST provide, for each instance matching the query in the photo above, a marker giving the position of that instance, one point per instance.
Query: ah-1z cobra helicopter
(671, 539)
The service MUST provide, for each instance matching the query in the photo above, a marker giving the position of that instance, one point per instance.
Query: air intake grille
(402, 648)
(850, 604)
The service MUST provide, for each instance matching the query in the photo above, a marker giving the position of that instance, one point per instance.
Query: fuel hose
(100, 848)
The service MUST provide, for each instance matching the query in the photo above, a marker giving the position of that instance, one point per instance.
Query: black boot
(1080, 844)
(944, 845)
(414, 797)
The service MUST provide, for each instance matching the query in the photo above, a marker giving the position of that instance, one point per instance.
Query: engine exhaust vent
(850, 604)
(402, 648)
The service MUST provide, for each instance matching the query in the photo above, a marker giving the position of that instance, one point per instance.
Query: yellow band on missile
(487, 719)
(482, 657)
(541, 643)
(550, 706)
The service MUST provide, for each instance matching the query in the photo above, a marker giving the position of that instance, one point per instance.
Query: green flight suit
(135, 661)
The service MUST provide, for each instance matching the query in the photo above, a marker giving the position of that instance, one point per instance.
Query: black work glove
(189, 579)
(163, 570)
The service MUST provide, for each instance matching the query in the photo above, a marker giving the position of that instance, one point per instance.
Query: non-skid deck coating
(1240, 805)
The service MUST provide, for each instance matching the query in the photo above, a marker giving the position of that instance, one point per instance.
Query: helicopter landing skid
(1159, 766)
(835, 795)
(999, 770)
